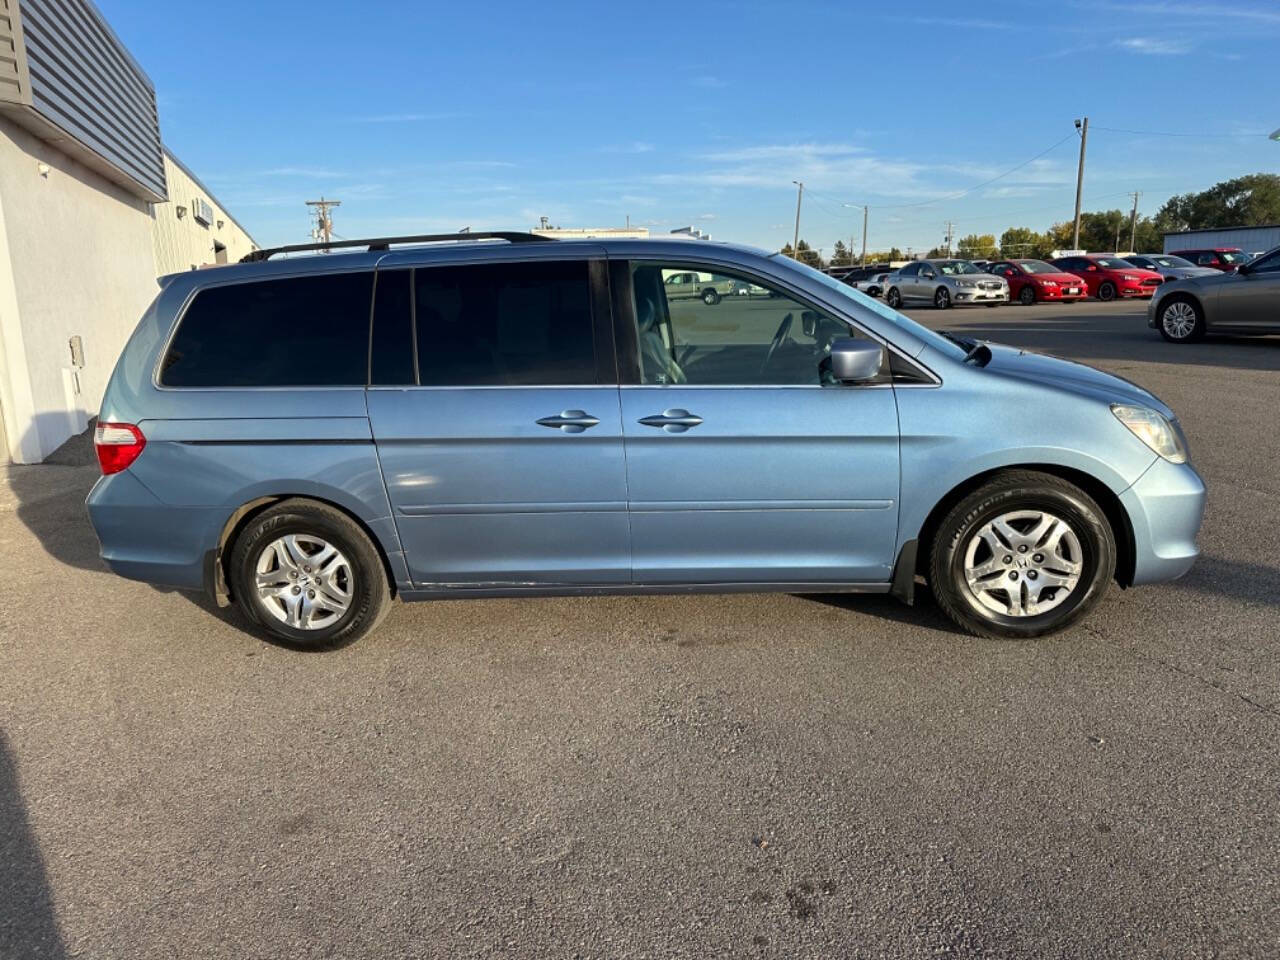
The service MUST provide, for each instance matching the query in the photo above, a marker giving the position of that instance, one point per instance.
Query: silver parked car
(944, 283)
(1169, 266)
(1246, 301)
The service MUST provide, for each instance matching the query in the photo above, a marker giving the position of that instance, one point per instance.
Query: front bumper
(1152, 318)
(1059, 293)
(1165, 507)
(973, 295)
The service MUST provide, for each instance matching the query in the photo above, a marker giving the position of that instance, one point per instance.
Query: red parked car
(1226, 259)
(1108, 277)
(1033, 280)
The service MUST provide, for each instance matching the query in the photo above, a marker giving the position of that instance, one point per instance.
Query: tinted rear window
(391, 345)
(300, 331)
(511, 324)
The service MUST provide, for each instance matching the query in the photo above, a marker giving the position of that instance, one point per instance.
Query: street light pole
(1084, 138)
(795, 242)
(864, 232)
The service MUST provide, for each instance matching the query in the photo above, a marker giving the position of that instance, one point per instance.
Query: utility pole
(864, 236)
(1133, 220)
(324, 222)
(950, 226)
(795, 243)
(1084, 138)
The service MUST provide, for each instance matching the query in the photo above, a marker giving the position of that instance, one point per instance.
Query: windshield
(1172, 262)
(1113, 263)
(1234, 257)
(862, 302)
(952, 267)
(1038, 266)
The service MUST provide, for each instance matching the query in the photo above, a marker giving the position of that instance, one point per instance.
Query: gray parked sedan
(1246, 301)
(943, 283)
(1169, 266)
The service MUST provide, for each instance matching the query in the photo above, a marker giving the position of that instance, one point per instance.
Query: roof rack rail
(384, 243)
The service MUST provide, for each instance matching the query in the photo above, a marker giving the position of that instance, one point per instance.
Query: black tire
(369, 589)
(1107, 291)
(893, 298)
(710, 297)
(942, 298)
(1006, 493)
(1027, 295)
(1171, 331)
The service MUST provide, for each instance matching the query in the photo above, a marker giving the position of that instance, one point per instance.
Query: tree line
(1246, 201)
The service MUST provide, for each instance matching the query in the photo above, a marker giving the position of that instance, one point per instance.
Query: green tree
(1246, 201)
(808, 255)
(978, 246)
(840, 255)
(1025, 242)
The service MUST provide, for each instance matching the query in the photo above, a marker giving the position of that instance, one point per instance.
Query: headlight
(1153, 429)
(965, 283)
(1130, 277)
(1048, 283)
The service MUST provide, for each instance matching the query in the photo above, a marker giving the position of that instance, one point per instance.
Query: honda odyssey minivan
(506, 415)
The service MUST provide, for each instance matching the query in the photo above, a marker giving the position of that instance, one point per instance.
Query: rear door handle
(675, 420)
(570, 421)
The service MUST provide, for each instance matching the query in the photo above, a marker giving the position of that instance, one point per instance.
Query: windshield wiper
(958, 341)
(974, 351)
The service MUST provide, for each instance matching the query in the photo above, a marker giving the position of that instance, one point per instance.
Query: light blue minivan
(504, 415)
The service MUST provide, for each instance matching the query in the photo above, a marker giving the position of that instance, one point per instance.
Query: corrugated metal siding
(11, 69)
(1248, 239)
(84, 82)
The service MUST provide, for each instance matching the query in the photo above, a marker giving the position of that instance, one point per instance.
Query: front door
(502, 447)
(742, 466)
(1251, 300)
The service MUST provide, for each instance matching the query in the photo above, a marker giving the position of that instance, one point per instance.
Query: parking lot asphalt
(760, 775)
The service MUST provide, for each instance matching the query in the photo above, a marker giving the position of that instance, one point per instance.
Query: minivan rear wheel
(1024, 555)
(308, 575)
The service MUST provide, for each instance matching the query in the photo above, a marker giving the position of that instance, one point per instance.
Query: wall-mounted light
(220, 222)
(43, 169)
(180, 210)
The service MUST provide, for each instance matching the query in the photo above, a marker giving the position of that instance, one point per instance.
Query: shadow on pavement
(50, 503)
(28, 925)
(1248, 582)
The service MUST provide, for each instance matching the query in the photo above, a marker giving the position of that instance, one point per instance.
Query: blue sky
(425, 117)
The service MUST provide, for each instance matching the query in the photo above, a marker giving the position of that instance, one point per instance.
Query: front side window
(504, 324)
(753, 334)
(1266, 264)
(308, 331)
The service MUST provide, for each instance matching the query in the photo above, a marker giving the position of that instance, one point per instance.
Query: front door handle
(570, 421)
(675, 420)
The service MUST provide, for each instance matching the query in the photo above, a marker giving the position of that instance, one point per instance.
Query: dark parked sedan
(1245, 301)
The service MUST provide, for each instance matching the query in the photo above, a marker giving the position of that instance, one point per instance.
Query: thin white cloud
(1213, 15)
(636, 146)
(1155, 46)
(967, 22)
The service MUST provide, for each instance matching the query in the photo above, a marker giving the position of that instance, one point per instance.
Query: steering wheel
(784, 328)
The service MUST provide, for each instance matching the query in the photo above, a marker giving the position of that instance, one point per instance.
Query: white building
(88, 217)
(1248, 239)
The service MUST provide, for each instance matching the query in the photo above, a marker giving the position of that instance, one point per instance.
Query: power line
(1166, 133)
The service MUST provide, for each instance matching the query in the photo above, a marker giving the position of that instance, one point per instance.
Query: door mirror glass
(856, 361)
(809, 323)
(927, 274)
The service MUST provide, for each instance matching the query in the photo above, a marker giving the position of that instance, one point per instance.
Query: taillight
(118, 445)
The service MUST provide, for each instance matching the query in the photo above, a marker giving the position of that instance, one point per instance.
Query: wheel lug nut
(297, 589)
(1031, 574)
(293, 574)
(1021, 549)
(1008, 558)
(1013, 574)
(311, 593)
(1038, 558)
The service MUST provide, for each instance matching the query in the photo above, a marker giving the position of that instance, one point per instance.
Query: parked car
(1108, 277)
(870, 280)
(538, 417)
(1169, 266)
(691, 285)
(1244, 301)
(983, 265)
(1225, 259)
(1034, 280)
(943, 283)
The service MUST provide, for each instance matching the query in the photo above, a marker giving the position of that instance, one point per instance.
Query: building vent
(201, 212)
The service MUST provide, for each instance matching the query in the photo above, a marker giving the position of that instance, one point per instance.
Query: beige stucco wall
(182, 243)
(73, 260)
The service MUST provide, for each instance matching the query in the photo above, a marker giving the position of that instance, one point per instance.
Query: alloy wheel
(1178, 320)
(1022, 564)
(303, 581)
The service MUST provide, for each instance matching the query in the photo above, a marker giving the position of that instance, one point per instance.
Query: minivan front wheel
(1024, 555)
(308, 575)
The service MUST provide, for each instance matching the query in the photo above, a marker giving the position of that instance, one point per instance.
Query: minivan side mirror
(856, 361)
(1243, 270)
